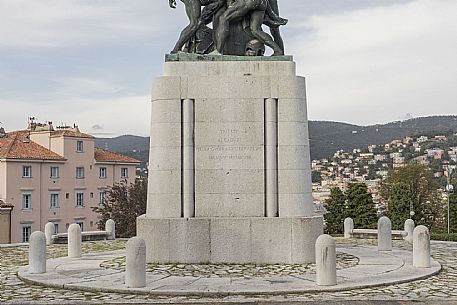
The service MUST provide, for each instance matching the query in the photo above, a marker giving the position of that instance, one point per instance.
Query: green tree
(316, 177)
(453, 213)
(399, 205)
(123, 204)
(360, 206)
(453, 209)
(427, 203)
(334, 218)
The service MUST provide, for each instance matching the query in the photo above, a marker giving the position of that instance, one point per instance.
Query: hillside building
(54, 175)
(435, 153)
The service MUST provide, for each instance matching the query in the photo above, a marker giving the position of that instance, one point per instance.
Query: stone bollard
(409, 229)
(110, 228)
(325, 261)
(384, 234)
(49, 231)
(74, 241)
(348, 227)
(37, 253)
(421, 247)
(135, 265)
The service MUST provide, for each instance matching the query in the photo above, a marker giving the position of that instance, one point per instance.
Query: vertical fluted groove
(188, 170)
(271, 158)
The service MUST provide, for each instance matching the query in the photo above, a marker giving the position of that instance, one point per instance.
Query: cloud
(371, 65)
(121, 115)
(57, 23)
(97, 127)
(87, 88)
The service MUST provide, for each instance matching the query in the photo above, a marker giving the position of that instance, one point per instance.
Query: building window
(81, 224)
(54, 200)
(54, 172)
(103, 172)
(56, 228)
(79, 146)
(80, 173)
(124, 172)
(27, 171)
(102, 198)
(26, 201)
(80, 199)
(26, 231)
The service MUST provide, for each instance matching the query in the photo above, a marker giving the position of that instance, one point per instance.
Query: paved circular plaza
(98, 273)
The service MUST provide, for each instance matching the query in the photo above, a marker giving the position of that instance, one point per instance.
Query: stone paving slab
(375, 268)
(258, 302)
(342, 302)
(440, 289)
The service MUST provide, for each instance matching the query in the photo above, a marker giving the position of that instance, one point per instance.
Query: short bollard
(325, 261)
(421, 247)
(384, 234)
(135, 265)
(49, 231)
(37, 253)
(110, 228)
(74, 241)
(348, 227)
(409, 229)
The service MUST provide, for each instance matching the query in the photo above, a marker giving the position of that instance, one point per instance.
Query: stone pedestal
(229, 170)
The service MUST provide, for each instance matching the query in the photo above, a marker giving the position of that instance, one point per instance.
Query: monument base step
(237, 240)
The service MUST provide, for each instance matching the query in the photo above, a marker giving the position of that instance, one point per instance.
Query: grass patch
(444, 236)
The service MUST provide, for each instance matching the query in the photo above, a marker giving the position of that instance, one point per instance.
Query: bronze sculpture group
(236, 27)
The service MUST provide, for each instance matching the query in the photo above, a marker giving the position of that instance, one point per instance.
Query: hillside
(329, 137)
(325, 137)
(127, 143)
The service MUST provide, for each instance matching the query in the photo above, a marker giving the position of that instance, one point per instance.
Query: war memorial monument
(229, 169)
(230, 215)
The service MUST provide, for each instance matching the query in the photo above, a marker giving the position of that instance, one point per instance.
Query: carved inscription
(229, 148)
(230, 136)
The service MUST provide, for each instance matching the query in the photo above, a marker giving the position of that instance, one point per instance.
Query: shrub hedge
(444, 236)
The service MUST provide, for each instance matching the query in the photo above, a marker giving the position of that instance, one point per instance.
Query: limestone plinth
(229, 170)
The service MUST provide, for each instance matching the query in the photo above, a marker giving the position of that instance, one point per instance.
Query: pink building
(56, 175)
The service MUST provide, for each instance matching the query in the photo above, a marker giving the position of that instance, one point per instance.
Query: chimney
(2, 132)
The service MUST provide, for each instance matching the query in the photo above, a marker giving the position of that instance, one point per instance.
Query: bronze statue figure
(255, 9)
(274, 26)
(236, 27)
(196, 17)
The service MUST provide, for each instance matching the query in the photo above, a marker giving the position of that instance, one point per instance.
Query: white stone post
(74, 241)
(384, 234)
(37, 253)
(188, 175)
(325, 261)
(271, 157)
(135, 266)
(49, 229)
(348, 227)
(421, 247)
(110, 228)
(409, 229)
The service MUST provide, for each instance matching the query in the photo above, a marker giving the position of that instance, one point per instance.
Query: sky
(91, 62)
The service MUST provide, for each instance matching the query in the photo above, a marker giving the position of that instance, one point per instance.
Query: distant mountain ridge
(326, 137)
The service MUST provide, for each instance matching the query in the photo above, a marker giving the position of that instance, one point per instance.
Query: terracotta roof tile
(71, 133)
(102, 155)
(17, 145)
(5, 205)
